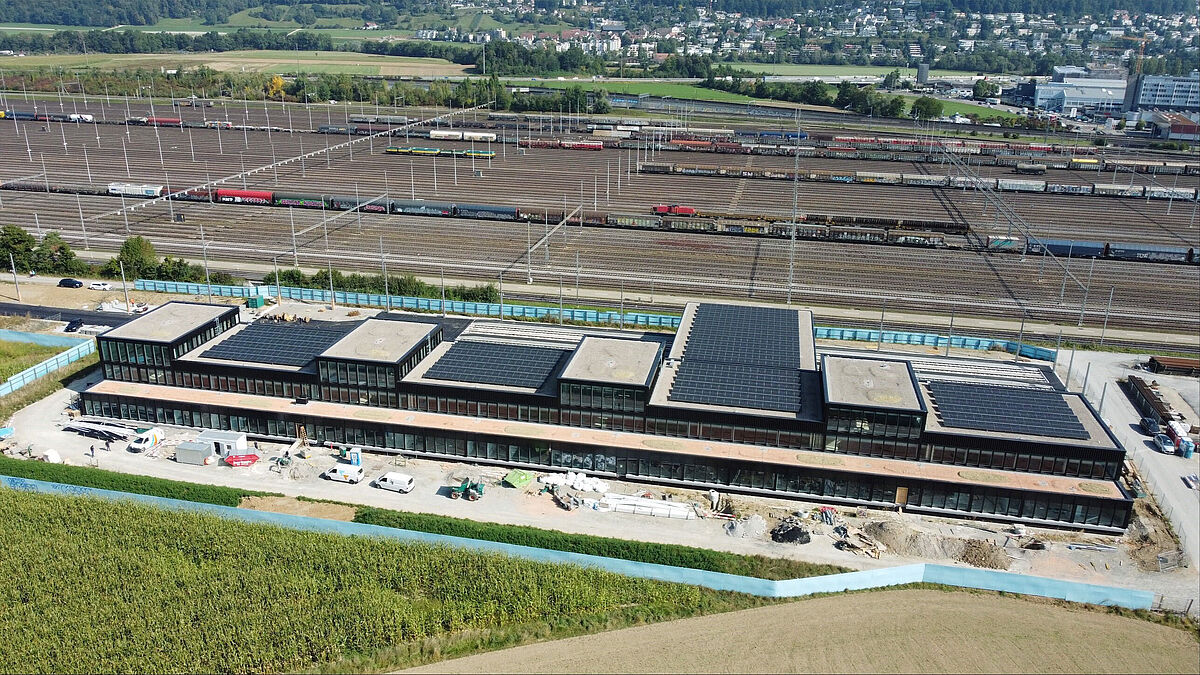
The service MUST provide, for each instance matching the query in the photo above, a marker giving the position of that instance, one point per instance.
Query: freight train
(660, 217)
(1071, 248)
(923, 180)
(439, 152)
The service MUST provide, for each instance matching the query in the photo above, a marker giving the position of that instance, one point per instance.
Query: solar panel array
(282, 343)
(737, 385)
(764, 336)
(742, 357)
(1006, 409)
(493, 363)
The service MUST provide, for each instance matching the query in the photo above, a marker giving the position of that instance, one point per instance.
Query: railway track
(848, 275)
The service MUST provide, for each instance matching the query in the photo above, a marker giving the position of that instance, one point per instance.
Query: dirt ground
(891, 631)
(299, 508)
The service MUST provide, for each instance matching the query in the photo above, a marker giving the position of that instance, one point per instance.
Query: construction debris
(791, 530)
(644, 506)
(754, 526)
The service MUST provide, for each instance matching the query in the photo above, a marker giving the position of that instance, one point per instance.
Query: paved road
(1163, 472)
(60, 314)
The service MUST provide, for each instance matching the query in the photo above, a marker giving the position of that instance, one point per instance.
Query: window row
(875, 424)
(621, 399)
(872, 447)
(213, 330)
(1024, 461)
(800, 481)
(1060, 508)
(136, 353)
(356, 374)
(504, 411)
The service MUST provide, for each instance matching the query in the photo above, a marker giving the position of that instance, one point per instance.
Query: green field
(17, 356)
(668, 89)
(812, 70)
(99, 586)
(965, 108)
(263, 61)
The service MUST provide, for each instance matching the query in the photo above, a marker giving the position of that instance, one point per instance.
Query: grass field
(812, 70)
(917, 631)
(40, 389)
(17, 356)
(249, 60)
(98, 586)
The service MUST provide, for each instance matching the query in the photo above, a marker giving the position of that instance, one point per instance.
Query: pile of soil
(980, 553)
(1148, 535)
(904, 540)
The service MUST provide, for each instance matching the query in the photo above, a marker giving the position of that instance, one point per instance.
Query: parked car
(100, 286)
(345, 473)
(1150, 426)
(74, 326)
(70, 283)
(397, 482)
(1163, 443)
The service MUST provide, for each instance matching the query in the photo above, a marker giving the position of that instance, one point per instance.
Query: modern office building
(1165, 93)
(736, 400)
(1085, 96)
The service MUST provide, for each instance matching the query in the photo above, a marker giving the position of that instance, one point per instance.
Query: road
(60, 314)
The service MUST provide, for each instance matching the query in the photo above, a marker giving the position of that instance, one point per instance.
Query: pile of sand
(754, 526)
(904, 540)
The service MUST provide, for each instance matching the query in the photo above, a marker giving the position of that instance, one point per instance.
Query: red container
(245, 196)
(164, 121)
(241, 460)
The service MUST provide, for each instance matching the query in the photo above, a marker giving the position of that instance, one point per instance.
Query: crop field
(920, 631)
(98, 586)
(258, 61)
(17, 356)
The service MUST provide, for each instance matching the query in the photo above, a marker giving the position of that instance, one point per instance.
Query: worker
(93, 450)
(107, 446)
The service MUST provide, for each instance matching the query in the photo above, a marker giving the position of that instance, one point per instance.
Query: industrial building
(1081, 96)
(738, 399)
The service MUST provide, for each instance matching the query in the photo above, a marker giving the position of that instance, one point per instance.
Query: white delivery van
(396, 482)
(147, 440)
(345, 473)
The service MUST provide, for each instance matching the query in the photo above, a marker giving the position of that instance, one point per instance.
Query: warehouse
(718, 404)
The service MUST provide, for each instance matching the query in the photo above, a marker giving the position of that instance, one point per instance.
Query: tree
(983, 89)
(55, 255)
(275, 87)
(891, 79)
(138, 257)
(926, 108)
(18, 243)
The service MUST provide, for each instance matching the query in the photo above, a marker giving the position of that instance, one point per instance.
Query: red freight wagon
(245, 196)
(164, 121)
(674, 209)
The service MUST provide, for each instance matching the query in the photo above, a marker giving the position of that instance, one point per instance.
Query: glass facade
(746, 475)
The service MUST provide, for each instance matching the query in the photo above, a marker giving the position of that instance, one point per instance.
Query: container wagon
(245, 196)
(1033, 169)
(135, 190)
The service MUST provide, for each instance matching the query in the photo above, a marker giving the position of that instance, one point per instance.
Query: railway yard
(954, 272)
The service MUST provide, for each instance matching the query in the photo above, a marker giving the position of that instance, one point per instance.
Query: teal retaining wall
(631, 319)
(41, 338)
(834, 583)
(33, 373)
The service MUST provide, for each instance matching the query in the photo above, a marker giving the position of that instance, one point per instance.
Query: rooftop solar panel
(737, 385)
(764, 336)
(281, 343)
(1005, 409)
(502, 364)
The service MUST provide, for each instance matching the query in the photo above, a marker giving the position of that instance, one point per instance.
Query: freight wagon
(1035, 169)
(1013, 185)
(1157, 192)
(1069, 189)
(1118, 190)
(135, 190)
(245, 196)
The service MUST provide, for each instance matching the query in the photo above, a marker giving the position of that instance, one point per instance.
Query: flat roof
(613, 361)
(1097, 437)
(871, 383)
(169, 322)
(380, 340)
(804, 329)
(891, 468)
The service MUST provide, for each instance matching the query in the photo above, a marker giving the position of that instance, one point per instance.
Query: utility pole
(18, 284)
(125, 288)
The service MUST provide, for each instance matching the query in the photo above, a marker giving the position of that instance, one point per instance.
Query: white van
(396, 482)
(147, 440)
(345, 473)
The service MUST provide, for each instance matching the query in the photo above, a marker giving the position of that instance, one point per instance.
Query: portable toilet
(355, 456)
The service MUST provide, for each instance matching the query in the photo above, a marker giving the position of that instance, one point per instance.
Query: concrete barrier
(963, 577)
